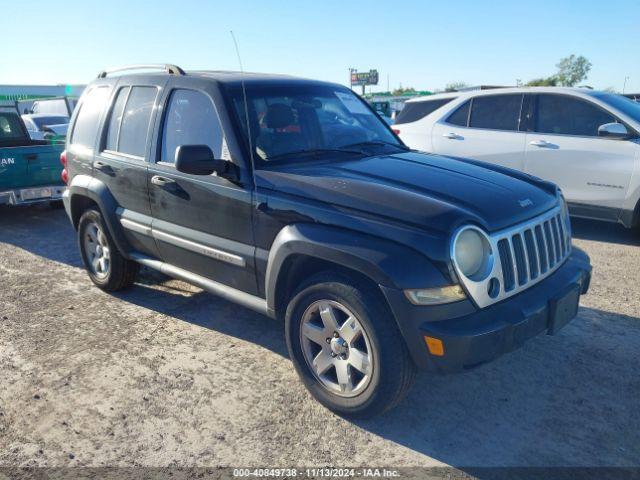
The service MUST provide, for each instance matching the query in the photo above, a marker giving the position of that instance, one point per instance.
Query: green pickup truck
(30, 170)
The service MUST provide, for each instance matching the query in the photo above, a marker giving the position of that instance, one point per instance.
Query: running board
(228, 293)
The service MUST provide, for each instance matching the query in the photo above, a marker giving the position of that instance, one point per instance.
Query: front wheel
(346, 347)
(107, 268)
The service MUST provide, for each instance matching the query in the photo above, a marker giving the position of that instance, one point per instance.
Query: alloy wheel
(336, 348)
(97, 250)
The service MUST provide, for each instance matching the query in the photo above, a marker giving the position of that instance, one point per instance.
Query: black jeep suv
(293, 198)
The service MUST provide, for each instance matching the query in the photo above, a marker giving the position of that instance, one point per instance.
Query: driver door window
(564, 115)
(191, 120)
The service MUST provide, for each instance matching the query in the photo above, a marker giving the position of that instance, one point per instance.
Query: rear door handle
(31, 156)
(103, 167)
(162, 181)
(453, 136)
(541, 144)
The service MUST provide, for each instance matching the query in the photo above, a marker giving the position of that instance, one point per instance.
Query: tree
(455, 86)
(542, 82)
(404, 91)
(572, 70)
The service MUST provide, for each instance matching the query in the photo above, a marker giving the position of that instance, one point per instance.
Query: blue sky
(416, 43)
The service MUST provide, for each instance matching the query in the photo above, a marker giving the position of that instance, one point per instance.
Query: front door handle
(453, 136)
(541, 144)
(163, 181)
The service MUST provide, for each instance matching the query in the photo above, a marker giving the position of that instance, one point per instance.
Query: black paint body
(387, 217)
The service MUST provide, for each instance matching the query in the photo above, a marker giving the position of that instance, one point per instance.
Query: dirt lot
(165, 374)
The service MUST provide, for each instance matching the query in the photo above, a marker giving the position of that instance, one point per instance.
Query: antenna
(246, 107)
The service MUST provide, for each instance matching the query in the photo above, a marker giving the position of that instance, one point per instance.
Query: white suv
(587, 142)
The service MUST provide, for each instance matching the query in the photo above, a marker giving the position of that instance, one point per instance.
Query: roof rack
(167, 67)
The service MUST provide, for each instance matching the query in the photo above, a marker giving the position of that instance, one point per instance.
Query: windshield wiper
(313, 153)
(378, 143)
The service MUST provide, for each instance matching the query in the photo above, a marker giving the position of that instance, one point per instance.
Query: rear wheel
(346, 346)
(107, 268)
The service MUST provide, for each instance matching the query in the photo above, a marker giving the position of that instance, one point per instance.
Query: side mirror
(613, 130)
(199, 160)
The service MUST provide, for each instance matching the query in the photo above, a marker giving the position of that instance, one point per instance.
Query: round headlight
(472, 254)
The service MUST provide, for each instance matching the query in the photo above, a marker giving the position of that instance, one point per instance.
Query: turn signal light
(396, 131)
(435, 346)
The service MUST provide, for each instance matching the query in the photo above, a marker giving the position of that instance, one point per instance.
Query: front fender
(385, 262)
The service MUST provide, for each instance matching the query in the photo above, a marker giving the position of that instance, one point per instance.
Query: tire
(377, 384)
(107, 268)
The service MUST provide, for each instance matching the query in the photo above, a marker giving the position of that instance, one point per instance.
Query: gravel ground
(166, 375)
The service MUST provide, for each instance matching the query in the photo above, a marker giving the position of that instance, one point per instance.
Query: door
(563, 146)
(122, 161)
(202, 223)
(484, 128)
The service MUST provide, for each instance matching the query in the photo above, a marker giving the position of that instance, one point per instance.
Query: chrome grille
(524, 260)
(523, 256)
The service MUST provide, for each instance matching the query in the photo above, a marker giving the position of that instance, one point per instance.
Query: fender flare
(387, 263)
(97, 191)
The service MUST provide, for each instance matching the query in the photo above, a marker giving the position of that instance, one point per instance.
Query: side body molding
(387, 263)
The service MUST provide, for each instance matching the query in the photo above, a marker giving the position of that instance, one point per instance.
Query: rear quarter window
(414, 111)
(86, 124)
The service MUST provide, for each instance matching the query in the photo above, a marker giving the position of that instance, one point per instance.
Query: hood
(427, 191)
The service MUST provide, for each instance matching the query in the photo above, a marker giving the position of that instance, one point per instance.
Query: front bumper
(473, 336)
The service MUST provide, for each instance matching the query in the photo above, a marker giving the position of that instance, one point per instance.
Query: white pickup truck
(587, 142)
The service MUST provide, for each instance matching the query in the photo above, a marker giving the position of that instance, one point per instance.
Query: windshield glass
(44, 121)
(295, 122)
(623, 104)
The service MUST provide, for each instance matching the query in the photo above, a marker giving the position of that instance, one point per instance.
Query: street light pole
(624, 86)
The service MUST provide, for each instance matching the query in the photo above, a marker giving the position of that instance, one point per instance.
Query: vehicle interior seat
(279, 121)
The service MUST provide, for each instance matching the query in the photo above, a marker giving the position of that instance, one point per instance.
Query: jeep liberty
(293, 198)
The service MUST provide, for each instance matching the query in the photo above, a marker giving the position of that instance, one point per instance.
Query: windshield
(295, 122)
(45, 121)
(623, 104)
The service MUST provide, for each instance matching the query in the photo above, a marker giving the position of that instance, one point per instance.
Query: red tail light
(63, 160)
(396, 131)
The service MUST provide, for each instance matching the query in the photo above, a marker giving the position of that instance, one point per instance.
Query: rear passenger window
(191, 119)
(496, 112)
(564, 115)
(413, 111)
(134, 126)
(115, 119)
(86, 126)
(460, 116)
